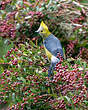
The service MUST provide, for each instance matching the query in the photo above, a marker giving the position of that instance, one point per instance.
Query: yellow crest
(43, 25)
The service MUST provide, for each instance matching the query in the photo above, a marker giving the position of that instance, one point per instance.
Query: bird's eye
(41, 30)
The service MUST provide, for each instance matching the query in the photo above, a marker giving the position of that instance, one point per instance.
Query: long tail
(54, 61)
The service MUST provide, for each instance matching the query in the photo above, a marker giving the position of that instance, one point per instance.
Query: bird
(52, 46)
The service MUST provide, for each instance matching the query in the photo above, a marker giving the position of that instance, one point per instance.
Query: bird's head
(43, 30)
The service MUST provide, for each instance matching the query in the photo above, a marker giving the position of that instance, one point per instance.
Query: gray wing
(58, 50)
(53, 45)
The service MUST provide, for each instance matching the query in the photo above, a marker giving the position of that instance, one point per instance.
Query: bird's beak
(39, 29)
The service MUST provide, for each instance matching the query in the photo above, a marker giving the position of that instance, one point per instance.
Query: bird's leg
(52, 67)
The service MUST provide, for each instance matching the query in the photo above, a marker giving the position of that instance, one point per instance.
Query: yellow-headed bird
(52, 46)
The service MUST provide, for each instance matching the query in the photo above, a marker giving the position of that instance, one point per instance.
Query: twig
(79, 5)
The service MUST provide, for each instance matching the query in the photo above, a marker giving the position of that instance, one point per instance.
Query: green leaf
(66, 98)
(4, 46)
(33, 90)
(49, 90)
(13, 97)
(22, 79)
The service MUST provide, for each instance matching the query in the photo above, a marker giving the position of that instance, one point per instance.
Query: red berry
(29, 91)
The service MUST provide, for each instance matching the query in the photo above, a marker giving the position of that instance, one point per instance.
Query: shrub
(25, 85)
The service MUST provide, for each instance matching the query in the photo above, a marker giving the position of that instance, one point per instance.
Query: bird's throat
(46, 34)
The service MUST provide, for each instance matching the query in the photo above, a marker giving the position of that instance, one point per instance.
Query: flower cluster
(7, 29)
(68, 81)
(3, 4)
(70, 50)
(83, 53)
